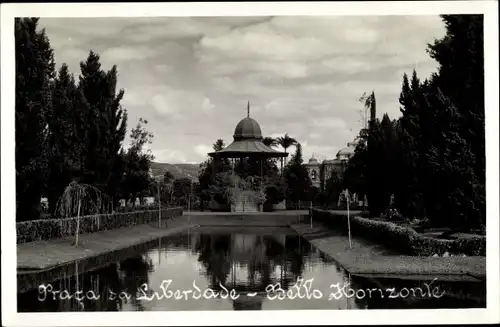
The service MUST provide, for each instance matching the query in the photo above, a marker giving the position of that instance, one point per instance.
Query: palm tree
(269, 141)
(286, 142)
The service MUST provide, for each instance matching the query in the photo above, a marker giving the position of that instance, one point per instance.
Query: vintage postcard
(249, 163)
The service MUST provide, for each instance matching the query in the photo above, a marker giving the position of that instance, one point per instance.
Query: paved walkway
(366, 258)
(52, 253)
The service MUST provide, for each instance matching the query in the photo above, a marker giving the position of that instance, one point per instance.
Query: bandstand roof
(245, 148)
(248, 142)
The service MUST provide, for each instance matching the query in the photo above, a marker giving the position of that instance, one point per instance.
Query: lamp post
(348, 218)
(159, 203)
(189, 201)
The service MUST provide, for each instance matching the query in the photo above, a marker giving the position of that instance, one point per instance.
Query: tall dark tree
(114, 134)
(297, 177)
(378, 199)
(35, 71)
(433, 156)
(459, 91)
(333, 188)
(64, 146)
(456, 197)
(388, 178)
(408, 193)
(182, 189)
(208, 171)
(137, 163)
(106, 123)
(460, 54)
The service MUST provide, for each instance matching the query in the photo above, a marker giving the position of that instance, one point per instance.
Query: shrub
(46, 229)
(406, 240)
(152, 206)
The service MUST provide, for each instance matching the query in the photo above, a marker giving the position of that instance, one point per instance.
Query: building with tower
(320, 172)
(314, 169)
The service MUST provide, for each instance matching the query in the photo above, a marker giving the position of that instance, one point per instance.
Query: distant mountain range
(182, 170)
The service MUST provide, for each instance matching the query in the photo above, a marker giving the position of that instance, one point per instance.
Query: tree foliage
(286, 141)
(297, 177)
(432, 158)
(67, 129)
(136, 181)
(35, 72)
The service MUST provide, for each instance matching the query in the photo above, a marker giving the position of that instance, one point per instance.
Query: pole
(77, 279)
(310, 217)
(348, 219)
(349, 285)
(189, 201)
(159, 205)
(78, 221)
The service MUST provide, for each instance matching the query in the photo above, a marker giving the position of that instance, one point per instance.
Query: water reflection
(245, 262)
(248, 263)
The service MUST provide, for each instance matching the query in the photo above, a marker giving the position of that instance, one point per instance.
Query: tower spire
(248, 109)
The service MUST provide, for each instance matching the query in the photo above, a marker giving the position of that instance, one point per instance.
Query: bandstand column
(261, 168)
(213, 165)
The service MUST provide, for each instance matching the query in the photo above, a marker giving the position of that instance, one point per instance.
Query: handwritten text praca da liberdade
(302, 289)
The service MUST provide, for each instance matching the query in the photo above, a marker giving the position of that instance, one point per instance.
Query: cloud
(128, 53)
(330, 122)
(207, 106)
(202, 150)
(191, 77)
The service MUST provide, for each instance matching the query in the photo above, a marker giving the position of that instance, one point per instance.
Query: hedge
(406, 240)
(46, 229)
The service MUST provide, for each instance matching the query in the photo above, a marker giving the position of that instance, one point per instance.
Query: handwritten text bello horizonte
(302, 289)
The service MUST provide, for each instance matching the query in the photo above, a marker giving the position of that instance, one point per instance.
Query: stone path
(368, 258)
(52, 253)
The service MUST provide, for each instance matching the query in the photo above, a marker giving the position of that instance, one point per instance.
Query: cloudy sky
(191, 78)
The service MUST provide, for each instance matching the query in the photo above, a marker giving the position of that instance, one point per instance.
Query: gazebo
(247, 143)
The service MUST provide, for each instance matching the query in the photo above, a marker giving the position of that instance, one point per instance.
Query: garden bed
(405, 239)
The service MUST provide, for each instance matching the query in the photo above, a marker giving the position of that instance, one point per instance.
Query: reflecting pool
(226, 270)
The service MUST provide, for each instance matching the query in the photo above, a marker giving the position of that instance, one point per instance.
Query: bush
(274, 194)
(406, 240)
(152, 206)
(46, 229)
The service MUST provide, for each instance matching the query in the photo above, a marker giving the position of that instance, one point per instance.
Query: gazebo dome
(247, 129)
(248, 142)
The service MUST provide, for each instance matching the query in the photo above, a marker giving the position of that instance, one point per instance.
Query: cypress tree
(64, 146)
(105, 122)
(34, 75)
(460, 54)
(297, 177)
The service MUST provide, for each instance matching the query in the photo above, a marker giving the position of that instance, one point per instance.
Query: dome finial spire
(248, 109)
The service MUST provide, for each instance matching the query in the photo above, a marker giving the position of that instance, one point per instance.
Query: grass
(366, 257)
